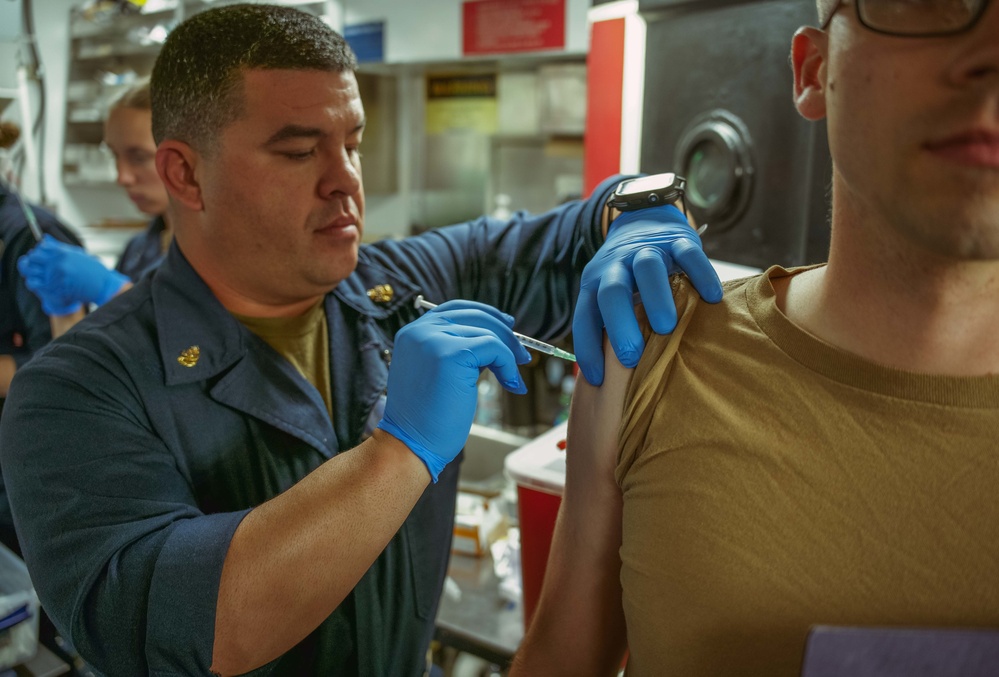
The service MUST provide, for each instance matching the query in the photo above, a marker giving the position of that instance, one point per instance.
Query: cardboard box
(478, 523)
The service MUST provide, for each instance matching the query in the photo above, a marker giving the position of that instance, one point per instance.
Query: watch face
(646, 183)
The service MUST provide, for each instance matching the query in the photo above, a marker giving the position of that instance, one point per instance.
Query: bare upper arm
(594, 427)
(578, 628)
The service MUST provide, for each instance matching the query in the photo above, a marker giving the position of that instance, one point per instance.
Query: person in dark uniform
(245, 462)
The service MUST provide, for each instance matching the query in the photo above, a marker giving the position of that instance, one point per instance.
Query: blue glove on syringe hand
(64, 276)
(643, 248)
(432, 382)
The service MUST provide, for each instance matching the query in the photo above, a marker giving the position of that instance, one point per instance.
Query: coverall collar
(196, 327)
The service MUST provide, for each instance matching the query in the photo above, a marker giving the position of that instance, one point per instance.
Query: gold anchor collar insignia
(189, 357)
(381, 293)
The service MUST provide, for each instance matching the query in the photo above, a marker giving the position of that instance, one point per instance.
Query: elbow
(235, 658)
(237, 650)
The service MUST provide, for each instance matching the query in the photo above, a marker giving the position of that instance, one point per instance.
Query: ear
(176, 162)
(809, 51)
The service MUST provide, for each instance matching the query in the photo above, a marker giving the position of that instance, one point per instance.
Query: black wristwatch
(648, 191)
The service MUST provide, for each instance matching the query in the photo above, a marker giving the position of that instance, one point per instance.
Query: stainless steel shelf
(113, 43)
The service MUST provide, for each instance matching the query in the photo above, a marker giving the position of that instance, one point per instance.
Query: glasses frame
(929, 34)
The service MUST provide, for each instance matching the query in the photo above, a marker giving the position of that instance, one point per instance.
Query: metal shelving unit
(109, 51)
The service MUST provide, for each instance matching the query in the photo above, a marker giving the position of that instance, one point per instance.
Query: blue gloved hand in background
(432, 382)
(643, 248)
(64, 276)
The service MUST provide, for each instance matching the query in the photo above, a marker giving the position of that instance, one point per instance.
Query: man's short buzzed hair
(197, 80)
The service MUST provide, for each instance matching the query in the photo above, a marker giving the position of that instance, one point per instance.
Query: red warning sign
(504, 26)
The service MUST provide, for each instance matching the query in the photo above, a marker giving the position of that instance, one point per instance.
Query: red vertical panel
(604, 83)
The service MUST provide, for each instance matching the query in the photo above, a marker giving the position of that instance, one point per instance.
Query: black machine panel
(718, 110)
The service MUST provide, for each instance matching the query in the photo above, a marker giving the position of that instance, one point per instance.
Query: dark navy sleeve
(122, 531)
(529, 266)
(28, 320)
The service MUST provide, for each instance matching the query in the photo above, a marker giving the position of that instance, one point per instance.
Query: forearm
(62, 323)
(7, 369)
(295, 558)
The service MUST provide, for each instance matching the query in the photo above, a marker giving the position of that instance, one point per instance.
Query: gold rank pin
(381, 293)
(190, 357)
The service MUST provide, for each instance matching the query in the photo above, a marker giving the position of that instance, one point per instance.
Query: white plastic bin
(18, 612)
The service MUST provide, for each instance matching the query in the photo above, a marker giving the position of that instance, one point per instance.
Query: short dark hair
(196, 83)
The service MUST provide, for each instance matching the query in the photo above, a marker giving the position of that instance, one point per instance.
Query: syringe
(526, 341)
(29, 215)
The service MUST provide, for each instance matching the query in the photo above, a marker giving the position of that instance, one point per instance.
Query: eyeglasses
(916, 18)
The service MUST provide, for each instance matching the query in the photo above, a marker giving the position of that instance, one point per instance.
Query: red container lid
(540, 464)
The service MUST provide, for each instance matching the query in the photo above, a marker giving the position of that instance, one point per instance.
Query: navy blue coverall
(128, 471)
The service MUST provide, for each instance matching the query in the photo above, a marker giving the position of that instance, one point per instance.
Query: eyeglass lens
(920, 17)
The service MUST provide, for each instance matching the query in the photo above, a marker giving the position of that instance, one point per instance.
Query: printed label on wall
(504, 26)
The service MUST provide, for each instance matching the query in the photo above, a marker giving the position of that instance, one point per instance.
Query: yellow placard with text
(458, 103)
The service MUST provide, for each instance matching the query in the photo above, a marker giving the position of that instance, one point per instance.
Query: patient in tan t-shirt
(823, 446)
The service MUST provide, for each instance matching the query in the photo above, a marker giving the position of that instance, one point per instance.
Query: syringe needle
(526, 341)
(29, 215)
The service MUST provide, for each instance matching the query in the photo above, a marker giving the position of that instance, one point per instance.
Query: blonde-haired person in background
(820, 447)
(128, 134)
(65, 277)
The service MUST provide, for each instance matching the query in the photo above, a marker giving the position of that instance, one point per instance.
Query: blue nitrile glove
(436, 364)
(63, 276)
(642, 250)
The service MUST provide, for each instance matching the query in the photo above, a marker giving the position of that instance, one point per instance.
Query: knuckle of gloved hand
(611, 290)
(684, 242)
(406, 339)
(465, 357)
(688, 252)
(648, 257)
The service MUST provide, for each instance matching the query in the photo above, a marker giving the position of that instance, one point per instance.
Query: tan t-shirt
(304, 341)
(772, 482)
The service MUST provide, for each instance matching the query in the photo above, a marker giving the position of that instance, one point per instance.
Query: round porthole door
(714, 155)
